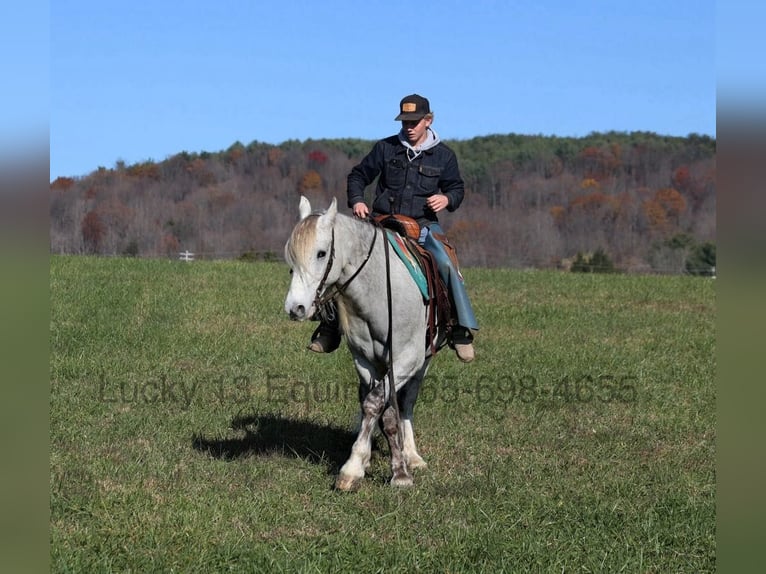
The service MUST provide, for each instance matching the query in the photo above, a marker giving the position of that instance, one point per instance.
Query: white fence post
(186, 256)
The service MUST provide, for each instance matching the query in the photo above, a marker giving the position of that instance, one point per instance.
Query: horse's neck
(360, 249)
(353, 239)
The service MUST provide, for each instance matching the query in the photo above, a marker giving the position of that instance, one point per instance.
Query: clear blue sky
(146, 79)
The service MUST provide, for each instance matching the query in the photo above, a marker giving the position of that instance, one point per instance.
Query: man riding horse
(418, 177)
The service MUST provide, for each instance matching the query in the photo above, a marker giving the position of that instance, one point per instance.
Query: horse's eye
(291, 271)
(321, 254)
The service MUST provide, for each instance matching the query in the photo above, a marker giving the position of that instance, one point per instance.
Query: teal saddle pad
(410, 262)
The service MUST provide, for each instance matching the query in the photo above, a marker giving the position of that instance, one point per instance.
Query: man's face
(415, 130)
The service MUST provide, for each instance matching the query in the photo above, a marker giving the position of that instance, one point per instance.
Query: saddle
(439, 305)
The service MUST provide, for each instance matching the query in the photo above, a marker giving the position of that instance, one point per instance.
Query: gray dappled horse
(331, 254)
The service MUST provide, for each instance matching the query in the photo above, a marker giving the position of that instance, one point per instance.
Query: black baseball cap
(413, 107)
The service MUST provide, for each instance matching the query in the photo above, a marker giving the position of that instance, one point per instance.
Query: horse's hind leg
(392, 429)
(407, 397)
(352, 472)
(411, 455)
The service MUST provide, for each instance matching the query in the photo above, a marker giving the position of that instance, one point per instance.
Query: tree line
(644, 201)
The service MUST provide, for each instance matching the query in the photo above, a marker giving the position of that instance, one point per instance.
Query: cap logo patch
(409, 107)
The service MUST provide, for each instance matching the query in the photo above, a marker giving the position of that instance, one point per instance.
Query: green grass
(192, 432)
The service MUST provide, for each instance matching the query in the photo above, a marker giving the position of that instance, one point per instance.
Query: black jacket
(404, 186)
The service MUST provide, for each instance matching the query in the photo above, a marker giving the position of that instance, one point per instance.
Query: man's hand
(437, 202)
(361, 210)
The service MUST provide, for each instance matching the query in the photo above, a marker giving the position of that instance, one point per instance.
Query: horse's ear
(333, 209)
(327, 219)
(305, 207)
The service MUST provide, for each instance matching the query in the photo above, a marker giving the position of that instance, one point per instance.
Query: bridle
(323, 295)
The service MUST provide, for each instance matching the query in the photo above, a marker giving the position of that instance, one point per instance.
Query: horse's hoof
(402, 481)
(347, 483)
(416, 462)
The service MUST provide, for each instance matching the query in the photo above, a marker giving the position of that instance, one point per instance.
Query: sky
(144, 80)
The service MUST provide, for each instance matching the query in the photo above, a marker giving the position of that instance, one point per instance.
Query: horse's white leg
(408, 396)
(352, 472)
(357, 428)
(414, 460)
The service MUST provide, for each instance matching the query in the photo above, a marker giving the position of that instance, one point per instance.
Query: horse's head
(309, 253)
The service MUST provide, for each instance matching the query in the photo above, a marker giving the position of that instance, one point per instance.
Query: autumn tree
(311, 181)
(62, 184)
(93, 231)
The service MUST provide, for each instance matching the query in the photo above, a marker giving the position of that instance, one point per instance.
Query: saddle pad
(412, 264)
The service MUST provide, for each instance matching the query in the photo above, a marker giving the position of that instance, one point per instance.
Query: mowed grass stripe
(192, 431)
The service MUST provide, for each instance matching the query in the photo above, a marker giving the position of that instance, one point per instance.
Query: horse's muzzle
(298, 313)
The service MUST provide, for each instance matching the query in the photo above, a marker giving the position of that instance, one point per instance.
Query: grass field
(192, 432)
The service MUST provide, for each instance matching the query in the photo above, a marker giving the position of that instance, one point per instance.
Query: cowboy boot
(326, 337)
(462, 342)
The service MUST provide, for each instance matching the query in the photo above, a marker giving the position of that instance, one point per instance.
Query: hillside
(645, 200)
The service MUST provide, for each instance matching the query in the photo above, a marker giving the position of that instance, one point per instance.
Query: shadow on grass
(266, 435)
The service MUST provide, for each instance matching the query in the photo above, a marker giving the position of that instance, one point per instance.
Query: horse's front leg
(352, 472)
